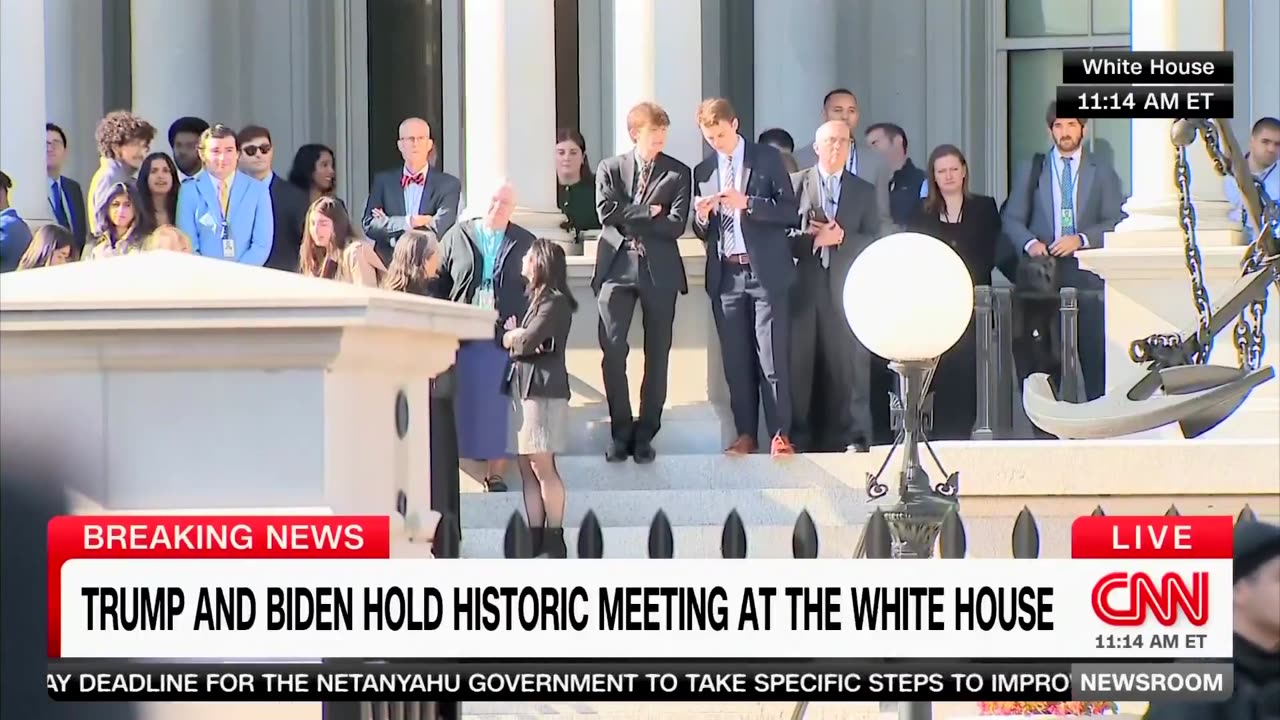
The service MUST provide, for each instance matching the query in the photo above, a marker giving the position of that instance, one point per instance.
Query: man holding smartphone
(830, 369)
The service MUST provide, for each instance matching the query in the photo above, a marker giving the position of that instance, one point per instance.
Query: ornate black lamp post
(909, 297)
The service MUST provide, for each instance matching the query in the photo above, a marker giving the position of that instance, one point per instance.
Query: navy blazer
(765, 225)
(440, 199)
(250, 223)
(289, 213)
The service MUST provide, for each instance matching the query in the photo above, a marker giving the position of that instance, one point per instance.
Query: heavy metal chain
(1248, 337)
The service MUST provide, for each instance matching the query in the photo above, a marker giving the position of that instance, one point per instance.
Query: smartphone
(817, 215)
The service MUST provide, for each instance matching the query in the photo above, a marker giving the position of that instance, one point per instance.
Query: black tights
(543, 490)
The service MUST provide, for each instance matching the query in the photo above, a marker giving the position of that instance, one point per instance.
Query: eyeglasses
(415, 139)
(252, 150)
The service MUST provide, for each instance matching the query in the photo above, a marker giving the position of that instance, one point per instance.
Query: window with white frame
(1031, 36)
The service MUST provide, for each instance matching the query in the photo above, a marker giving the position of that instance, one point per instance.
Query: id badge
(484, 298)
(228, 245)
(1068, 221)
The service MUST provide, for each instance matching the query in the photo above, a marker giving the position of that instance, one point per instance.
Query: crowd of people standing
(781, 226)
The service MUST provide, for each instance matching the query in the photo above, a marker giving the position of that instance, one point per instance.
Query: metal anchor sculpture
(1172, 382)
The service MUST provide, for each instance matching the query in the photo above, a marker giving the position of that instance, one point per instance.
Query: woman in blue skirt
(480, 265)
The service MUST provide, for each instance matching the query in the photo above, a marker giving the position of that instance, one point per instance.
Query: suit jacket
(289, 211)
(250, 224)
(623, 215)
(538, 371)
(76, 213)
(461, 269)
(15, 238)
(856, 213)
(764, 225)
(440, 198)
(873, 169)
(1099, 206)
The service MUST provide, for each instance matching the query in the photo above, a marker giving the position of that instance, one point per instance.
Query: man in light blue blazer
(226, 213)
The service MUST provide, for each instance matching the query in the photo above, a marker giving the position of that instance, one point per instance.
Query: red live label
(1201, 537)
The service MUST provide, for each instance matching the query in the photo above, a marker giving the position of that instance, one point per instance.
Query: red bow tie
(407, 180)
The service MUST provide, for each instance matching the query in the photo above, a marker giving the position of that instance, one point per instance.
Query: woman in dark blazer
(970, 224)
(539, 386)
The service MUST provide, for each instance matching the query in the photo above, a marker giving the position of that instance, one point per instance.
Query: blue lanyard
(489, 241)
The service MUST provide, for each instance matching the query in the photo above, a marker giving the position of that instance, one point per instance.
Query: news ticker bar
(1130, 102)
(1127, 67)
(647, 681)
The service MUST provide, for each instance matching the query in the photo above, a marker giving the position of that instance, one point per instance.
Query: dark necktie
(643, 174)
(59, 207)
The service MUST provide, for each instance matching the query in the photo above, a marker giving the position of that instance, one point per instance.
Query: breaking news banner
(1147, 101)
(639, 681)
(305, 588)
(1126, 67)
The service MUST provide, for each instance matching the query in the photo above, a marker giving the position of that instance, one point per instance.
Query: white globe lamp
(908, 297)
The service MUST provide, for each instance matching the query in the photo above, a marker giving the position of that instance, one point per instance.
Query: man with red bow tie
(411, 197)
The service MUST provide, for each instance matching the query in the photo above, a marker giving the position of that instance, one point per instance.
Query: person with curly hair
(123, 141)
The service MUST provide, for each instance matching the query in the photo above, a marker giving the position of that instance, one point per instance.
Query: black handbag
(1038, 278)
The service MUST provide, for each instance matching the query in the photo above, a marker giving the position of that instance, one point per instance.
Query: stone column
(657, 56)
(509, 61)
(173, 62)
(1148, 288)
(1164, 25)
(73, 80)
(22, 108)
(796, 63)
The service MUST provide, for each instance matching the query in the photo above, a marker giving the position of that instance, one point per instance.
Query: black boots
(554, 547)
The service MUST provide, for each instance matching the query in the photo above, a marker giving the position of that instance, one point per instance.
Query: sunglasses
(252, 150)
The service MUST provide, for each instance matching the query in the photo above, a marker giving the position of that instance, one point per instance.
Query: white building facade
(495, 78)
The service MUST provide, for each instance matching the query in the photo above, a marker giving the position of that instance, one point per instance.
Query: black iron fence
(876, 543)
(1009, 347)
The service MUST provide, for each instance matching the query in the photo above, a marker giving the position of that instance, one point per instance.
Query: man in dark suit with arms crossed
(412, 197)
(744, 206)
(643, 203)
(838, 219)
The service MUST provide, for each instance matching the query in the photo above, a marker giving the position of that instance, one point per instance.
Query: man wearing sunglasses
(288, 203)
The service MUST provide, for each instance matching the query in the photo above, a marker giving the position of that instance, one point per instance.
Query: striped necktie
(728, 226)
(224, 195)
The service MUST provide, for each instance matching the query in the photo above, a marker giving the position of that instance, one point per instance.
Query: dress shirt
(733, 245)
(1055, 180)
(183, 177)
(1270, 179)
(413, 192)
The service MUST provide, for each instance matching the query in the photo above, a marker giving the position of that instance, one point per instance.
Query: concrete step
(686, 430)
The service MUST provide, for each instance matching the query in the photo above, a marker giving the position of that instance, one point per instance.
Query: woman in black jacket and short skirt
(538, 383)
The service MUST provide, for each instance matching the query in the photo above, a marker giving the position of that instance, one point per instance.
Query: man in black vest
(642, 197)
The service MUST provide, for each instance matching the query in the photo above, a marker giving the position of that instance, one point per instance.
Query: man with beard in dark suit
(838, 219)
(643, 203)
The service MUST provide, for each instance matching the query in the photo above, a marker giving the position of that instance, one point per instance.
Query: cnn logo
(1126, 599)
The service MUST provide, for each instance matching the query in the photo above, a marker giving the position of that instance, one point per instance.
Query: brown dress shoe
(781, 446)
(744, 445)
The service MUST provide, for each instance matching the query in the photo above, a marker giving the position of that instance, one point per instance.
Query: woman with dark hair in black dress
(970, 225)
